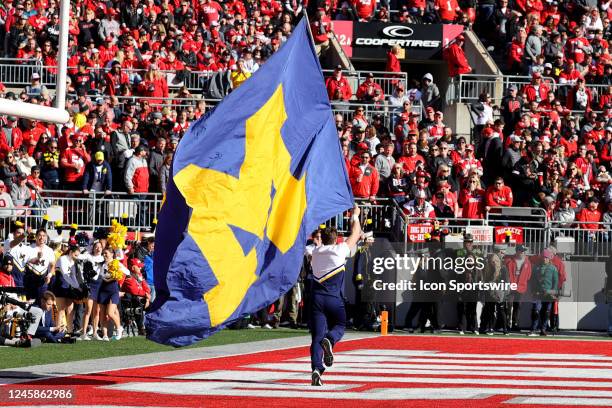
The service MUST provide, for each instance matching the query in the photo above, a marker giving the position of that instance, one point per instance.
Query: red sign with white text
(515, 235)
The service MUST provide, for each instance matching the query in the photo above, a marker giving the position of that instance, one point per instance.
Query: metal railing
(467, 88)
(93, 210)
(386, 80)
(18, 72)
(384, 216)
(389, 113)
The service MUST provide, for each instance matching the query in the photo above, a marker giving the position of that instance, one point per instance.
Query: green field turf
(11, 357)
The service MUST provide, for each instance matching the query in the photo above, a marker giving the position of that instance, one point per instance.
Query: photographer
(49, 330)
(18, 321)
(66, 285)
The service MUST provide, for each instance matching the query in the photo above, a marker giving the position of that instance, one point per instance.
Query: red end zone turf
(390, 371)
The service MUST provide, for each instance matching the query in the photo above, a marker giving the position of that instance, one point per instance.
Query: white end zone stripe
(342, 358)
(412, 353)
(241, 375)
(204, 388)
(472, 370)
(601, 402)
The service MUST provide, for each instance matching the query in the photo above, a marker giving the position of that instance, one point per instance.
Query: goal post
(57, 114)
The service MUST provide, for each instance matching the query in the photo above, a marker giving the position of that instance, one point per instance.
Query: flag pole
(305, 16)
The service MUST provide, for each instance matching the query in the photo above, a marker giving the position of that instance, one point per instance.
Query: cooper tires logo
(395, 35)
(397, 31)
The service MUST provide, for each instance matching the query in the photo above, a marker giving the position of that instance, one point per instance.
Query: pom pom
(154, 221)
(368, 221)
(46, 217)
(58, 224)
(114, 270)
(74, 226)
(19, 224)
(116, 235)
(508, 233)
(427, 235)
(322, 226)
(124, 216)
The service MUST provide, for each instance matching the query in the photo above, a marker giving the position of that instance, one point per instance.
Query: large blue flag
(250, 181)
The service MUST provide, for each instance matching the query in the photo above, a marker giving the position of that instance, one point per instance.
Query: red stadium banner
(515, 235)
(416, 232)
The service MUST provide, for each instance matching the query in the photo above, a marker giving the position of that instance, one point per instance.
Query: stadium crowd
(548, 144)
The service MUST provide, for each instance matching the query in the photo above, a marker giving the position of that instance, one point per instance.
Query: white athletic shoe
(84, 337)
(316, 379)
(267, 326)
(252, 326)
(96, 336)
(89, 330)
(328, 355)
(105, 338)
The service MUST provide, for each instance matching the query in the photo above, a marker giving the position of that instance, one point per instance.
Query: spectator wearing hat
(498, 195)
(547, 289)
(430, 94)
(369, 91)
(115, 78)
(338, 87)
(136, 288)
(468, 165)
(364, 178)
(467, 301)
(455, 57)
(98, 176)
(441, 208)
(590, 216)
(510, 108)
(10, 136)
(490, 151)
(536, 90)
(73, 161)
(36, 88)
(511, 156)
(6, 272)
(420, 208)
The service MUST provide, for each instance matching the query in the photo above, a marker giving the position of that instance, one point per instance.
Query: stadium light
(57, 114)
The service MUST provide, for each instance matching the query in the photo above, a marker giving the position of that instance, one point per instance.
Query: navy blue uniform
(328, 316)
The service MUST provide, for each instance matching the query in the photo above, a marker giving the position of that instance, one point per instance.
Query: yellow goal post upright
(58, 113)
